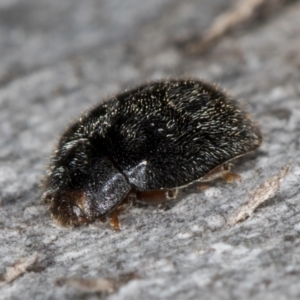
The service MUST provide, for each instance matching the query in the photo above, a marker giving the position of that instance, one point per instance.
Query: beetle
(145, 144)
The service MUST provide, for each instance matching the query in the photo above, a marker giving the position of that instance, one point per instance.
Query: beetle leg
(203, 186)
(123, 207)
(149, 197)
(222, 171)
(114, 221)
(230, 177)
(157, 196)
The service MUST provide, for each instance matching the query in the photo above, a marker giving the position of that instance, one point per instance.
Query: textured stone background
(60, 57)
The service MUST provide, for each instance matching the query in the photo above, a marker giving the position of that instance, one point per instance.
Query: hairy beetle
(145, 143)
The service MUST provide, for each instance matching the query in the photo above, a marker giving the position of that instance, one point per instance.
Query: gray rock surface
(59, 58)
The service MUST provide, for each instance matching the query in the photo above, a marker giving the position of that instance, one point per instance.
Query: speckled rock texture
(59, 58)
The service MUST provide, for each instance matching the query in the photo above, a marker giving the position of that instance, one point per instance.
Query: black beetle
(144, 144)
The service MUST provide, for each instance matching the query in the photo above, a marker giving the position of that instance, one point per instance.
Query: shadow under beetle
(144, 144)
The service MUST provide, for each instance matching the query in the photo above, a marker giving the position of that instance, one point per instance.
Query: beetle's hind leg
(157, 196)
(222, 171)
(149, 197)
